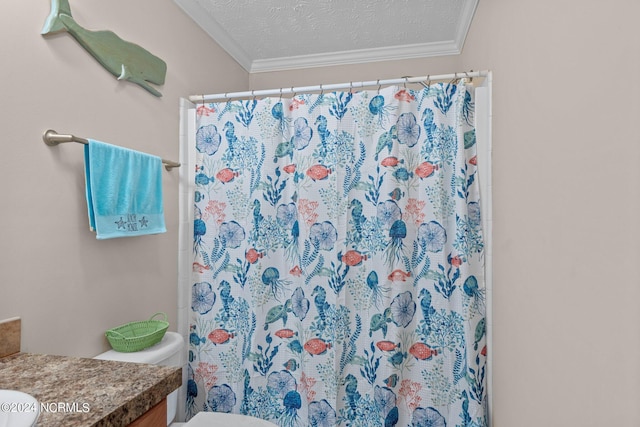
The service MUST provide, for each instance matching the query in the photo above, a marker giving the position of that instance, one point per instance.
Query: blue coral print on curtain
(338, 260)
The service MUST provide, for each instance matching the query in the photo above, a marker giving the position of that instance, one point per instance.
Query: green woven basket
(136, 336)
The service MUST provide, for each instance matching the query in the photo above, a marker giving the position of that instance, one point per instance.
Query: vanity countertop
(79, 392)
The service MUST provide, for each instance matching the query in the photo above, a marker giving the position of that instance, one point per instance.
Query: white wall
(67, 286)
(566, 102)
(566, 197)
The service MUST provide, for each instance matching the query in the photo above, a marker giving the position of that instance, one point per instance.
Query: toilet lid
(208, 419)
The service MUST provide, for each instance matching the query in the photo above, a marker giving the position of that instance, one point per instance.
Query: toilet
(168, 352)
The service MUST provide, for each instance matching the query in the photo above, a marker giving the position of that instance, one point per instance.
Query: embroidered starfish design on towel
(131, 223)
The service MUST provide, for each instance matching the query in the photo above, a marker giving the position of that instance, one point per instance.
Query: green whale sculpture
(123, 59)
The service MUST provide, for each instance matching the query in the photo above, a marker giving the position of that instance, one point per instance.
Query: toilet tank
(168, 352)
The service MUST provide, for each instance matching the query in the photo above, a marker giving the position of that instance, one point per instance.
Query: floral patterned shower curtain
(338, 260)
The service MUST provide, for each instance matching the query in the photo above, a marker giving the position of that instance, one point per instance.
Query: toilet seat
(208, 419)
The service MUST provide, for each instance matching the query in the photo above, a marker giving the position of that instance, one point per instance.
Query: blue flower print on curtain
(338, 260)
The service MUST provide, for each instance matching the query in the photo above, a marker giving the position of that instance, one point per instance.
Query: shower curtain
(338, 273)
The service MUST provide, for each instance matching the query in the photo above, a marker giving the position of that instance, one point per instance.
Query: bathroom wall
(566, 103)
(566, 197)
(68, 287)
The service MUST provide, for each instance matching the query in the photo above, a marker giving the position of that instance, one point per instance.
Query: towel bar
(53, 138)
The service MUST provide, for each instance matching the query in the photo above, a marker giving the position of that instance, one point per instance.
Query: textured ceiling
(269, 35)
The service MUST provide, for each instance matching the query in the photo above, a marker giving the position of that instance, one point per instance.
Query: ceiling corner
(466, 18)
(202, 18)
(272, 35)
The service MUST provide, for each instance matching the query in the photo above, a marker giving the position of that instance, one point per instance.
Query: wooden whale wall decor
(123, 59)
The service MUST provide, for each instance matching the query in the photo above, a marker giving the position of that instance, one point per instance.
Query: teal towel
(124, 191)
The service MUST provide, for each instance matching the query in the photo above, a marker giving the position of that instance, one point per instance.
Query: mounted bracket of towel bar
(53, 138)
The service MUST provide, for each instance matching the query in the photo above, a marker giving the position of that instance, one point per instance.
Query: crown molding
(355, 56)
(201, 17)
(465, 23)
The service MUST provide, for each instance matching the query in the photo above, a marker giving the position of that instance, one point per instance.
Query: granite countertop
(101, 393)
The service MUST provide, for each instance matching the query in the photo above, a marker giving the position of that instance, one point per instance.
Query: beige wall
(566, 176)
(67, 286)
(566, 171)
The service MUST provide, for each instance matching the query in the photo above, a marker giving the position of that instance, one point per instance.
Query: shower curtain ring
(467, 75)
(428, 82)
(253, 95)
(280, 94)
(379, 86)
(321, 90)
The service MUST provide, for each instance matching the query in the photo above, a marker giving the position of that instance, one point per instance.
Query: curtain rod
(53, 138)
(351, 85)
